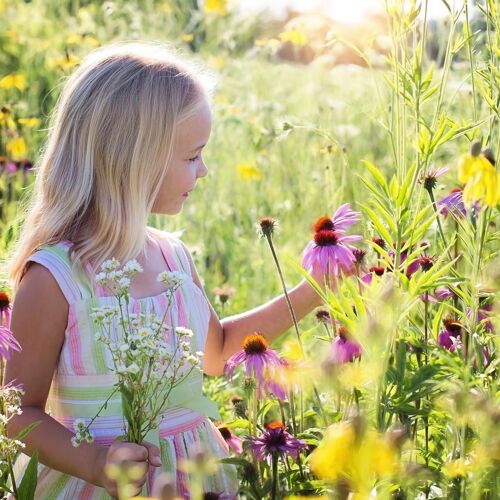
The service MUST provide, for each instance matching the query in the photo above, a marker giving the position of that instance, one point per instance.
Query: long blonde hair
(110, 142)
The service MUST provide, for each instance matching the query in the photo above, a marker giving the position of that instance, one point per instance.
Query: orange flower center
(275, 424)
(4, 300)
(323, 223)
(255, 344)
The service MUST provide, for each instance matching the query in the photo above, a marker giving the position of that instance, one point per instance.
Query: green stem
(275, 477)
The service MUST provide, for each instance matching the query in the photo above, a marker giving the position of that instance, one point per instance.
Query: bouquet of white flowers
(148, 367)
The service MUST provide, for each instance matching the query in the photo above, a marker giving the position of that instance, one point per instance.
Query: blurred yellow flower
(217, 62)
(66, 62)
(249, 172)
(216, 7)
(358, 374)
(360, 458)
(482, 182)
(16, 148)
(456, 468)
(295, 36)
(187, 37)
(14, 80)
(167, 7)
(29, 122)
(6, 119)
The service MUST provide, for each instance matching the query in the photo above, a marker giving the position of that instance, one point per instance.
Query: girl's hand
(126, 455)
(322, 279)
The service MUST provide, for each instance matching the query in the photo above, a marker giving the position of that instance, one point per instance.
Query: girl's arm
(270, 319)
(39, 320)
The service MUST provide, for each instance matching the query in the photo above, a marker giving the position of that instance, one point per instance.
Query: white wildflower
(110, 265)
(132, 267)
(183, 332)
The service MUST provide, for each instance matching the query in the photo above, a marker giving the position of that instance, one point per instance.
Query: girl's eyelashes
(197, 157)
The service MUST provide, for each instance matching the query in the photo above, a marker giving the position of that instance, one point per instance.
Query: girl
(126, 141)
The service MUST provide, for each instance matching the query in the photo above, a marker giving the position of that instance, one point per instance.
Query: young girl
(126, 142)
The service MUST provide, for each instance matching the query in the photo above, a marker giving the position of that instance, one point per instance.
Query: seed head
(325, 238)
(266, 226)
(475, 148)
(323, 222)
(254, 344)
(488, 154)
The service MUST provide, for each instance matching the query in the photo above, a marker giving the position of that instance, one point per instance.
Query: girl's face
(187, 164)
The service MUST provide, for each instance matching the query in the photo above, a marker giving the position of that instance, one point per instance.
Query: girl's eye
(194, 158)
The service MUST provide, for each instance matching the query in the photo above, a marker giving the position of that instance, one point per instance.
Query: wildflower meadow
(360, 157)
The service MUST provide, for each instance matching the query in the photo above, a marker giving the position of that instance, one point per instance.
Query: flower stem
(294, 320)
(275, 477)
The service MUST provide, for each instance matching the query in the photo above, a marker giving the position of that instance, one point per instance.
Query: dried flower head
(223, 293)
(266, 227)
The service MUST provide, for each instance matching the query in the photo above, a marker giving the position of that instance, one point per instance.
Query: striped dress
(83, 379)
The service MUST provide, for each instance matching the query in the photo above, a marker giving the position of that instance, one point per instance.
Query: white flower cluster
(172, 279)
(148, 358)
(116, 279)
(10, 405)
(82, 433)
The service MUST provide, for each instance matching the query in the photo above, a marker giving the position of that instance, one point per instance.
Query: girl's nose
(202, 170)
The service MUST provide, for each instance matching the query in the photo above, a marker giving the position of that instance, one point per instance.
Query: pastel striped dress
(83, 379)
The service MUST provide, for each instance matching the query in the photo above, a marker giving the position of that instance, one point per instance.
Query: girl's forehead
(194, 131)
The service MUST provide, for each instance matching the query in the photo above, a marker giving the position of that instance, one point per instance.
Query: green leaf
(26, 490)
(384, 233)
(377, 174)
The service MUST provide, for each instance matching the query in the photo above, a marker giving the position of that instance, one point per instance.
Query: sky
(346, 11)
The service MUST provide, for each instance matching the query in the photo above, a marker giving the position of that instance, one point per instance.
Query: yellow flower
(348, 453)
(249, 172)
(16, 148)
(217, 62)
(482, 182)
(167, 7)
(29, 122)
(187, 37)
(216, 7)
(66, 62)
(6, 119)
(15, 80)
(295, 36)
(456, 468)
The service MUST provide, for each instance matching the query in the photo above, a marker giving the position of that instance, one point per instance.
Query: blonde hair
(109, 146)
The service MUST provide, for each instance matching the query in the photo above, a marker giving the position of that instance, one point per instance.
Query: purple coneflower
(260, 362)
(424, 263)
(431, 176)
(439, 295)
(377, 270)
(275, 441)
(4, 310)
(234, 442)
(330, 249)
(344, 348)
(452, 203)
(7, 341)
(344, 217)
(451, 337)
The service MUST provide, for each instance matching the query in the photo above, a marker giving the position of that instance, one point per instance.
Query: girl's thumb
(153, 453)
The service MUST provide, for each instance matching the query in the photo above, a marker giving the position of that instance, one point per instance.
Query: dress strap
(173, 251)
(56, 259)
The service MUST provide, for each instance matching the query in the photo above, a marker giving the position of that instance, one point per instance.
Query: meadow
(414, 412)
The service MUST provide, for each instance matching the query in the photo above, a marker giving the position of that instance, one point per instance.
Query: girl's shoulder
(172, 244)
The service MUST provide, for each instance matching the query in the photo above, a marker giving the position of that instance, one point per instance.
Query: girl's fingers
(153, 453)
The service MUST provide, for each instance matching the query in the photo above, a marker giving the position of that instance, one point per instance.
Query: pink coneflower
(330, 249)
(4, 310)
(234, 442)
(439, 295)
(344, 348)
(7, 341)
(275, 441)
(452, 203)
(424, 263)
(431, 176)
(451, 337)
(260, 362)
(344, 217)
(377, 270)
